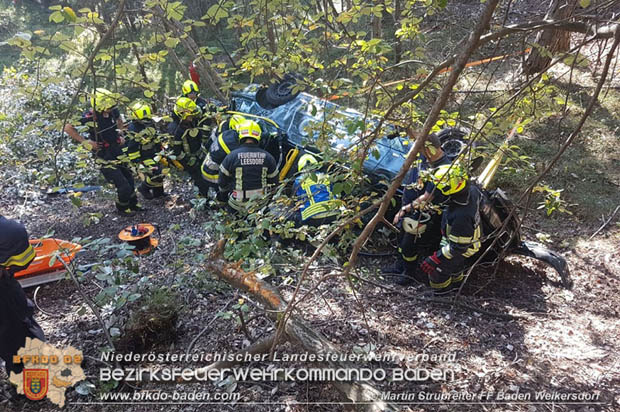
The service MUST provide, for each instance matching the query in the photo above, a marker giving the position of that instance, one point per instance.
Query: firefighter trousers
(16, 320)
(122, 178)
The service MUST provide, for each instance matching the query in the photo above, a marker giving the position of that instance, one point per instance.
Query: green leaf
(584, 3)
(148, 93)
(174, 11)
(171, 42)
(216, 13)
(77, 202)
(133, 297)
(57, 17)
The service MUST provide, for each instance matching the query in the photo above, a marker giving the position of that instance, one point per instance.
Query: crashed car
(291, 116)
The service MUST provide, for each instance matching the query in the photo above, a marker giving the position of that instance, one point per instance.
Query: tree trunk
(398, 46)
(296, 330)
(207, 73)
(553, 41)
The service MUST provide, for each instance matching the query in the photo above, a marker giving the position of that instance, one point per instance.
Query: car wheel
(277, 94)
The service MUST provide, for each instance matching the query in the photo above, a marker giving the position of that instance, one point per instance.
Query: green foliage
(552, 201)
(117, 275)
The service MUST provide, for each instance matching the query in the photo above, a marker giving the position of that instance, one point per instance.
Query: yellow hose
(290, 158)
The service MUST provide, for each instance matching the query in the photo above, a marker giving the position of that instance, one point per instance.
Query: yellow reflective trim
(223, 170)
(149, 162)
(210, 177)
(220, 140)
(409, 259)
(274, 174)
(445, 251)
(472, 250)
(317, 208)
(21, 259)
(464, 239)
(134, 155)
(441, 285)
(239, 179)
(458, 278)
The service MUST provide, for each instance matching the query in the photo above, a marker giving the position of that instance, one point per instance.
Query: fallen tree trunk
(296, 331)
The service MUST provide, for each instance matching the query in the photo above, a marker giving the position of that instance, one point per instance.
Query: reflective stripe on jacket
(318, 200)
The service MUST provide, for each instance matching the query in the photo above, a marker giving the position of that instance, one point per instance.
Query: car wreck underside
(290, 115)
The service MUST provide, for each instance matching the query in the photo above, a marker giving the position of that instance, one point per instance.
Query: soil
(559, 340)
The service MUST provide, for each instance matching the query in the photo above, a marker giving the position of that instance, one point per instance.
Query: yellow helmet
(140, 110)
(249, 129)
(102, 99)
(235, 121)
(449, 179)
(185, 107)
(189, 87)
(304, 160)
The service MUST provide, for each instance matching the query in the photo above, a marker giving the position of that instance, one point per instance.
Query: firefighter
(187, 141)
(419, 228)
(313, 189)
(16, 310)
(190, 90)
(226, 141)
(247, 171)
(229, 122)
(104, 122)
(209, 110)
(460, 227)
(143, 145)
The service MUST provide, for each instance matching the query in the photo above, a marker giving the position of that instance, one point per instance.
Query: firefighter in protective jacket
(16, 310)
(187, 140)
(460, 227)
(420, 233)
(247, 171)
(313, 189)
(226, 140)
(103, 122)
(143, 145)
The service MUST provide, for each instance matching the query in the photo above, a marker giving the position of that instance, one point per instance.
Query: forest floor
(514, 330)
(531, 334)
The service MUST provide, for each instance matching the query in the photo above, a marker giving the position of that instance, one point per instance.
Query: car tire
(277, 94)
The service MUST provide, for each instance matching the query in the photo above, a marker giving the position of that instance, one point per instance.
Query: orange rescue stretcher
(40, 271)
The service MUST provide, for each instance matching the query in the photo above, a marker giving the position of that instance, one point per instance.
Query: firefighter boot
(134, 205)
(397, 267)
(145, 191)
(124, 209)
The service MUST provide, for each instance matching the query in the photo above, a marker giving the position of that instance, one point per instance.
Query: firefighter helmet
(140, 111)
(235, 121)
(249, 129)
(305, 160)
(450, 179)
(102, 99)
(185, 107)
(189, 87)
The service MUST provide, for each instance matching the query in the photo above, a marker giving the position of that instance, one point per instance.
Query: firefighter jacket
(314, 190)
(15, 250)
(186, 143)
(246, 172)
(143, 143)
(461, 228)
(413, 187)
(221, 146)
(102, 129)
